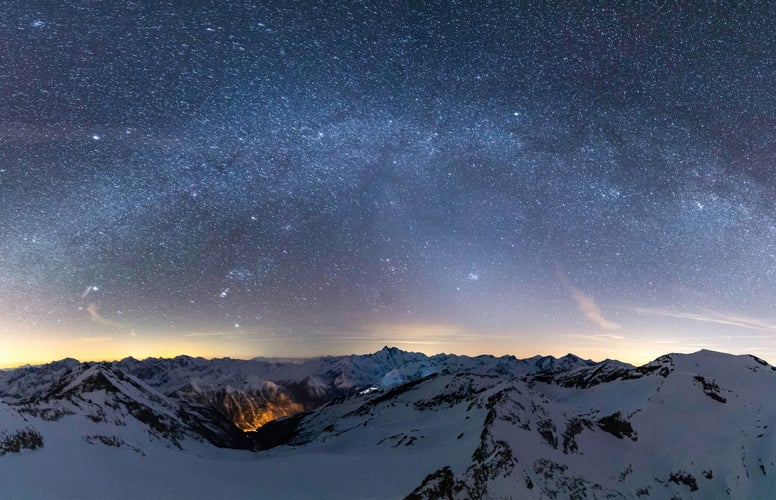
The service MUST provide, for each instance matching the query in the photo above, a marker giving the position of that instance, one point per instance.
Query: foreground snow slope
(685, 426)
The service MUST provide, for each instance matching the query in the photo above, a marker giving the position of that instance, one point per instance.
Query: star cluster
(250, 178)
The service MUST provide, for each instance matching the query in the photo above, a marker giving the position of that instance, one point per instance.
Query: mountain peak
(392, 350)
(87, 377)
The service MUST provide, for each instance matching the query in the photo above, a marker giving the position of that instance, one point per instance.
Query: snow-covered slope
(683, 426)
(28, 381)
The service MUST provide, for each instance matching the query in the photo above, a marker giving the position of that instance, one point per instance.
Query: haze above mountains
(392, 424)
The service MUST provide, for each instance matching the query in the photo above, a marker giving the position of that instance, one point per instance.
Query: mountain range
(392, 424)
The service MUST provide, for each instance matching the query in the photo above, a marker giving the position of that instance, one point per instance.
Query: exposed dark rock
(617, 426)
(276, 433)
(573, 428)
(711, 389)
(28, 439)
(547, 431)
(685, 479)
(440, 484)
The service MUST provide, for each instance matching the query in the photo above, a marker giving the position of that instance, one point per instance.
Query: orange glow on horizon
(22, 346)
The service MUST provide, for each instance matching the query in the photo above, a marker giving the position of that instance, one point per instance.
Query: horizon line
(291, 359)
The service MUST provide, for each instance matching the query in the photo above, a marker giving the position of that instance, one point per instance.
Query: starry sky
(300, 178)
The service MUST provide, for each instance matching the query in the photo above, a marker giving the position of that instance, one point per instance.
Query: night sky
(283, 178)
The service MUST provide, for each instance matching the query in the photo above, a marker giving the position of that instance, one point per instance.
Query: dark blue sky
(276, 178)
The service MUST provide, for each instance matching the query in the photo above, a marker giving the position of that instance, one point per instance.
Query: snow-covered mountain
(391, 424)
(251, 393)
(683, 426)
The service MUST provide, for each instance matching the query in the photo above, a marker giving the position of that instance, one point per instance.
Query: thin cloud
(598, 337)
(96, 317)
(215, 334)
(586, 304)
(410, 332)
(715, 318)
(592, 312)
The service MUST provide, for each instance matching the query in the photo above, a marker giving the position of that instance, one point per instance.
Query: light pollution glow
(635, 345)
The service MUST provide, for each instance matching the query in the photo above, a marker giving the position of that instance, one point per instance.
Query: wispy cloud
(602, 337)
(413, 331)
(592, 312)
(586, 304)
(715, 318)
(215, 334)
(95, 316)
